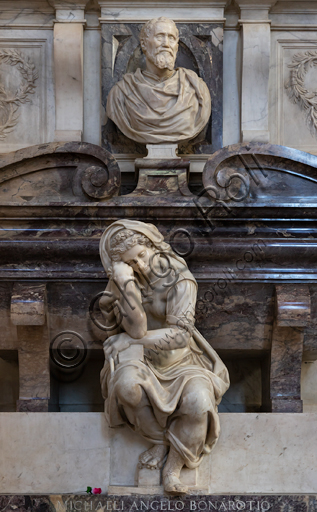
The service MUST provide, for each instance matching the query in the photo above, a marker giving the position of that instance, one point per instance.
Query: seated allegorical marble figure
(170, 396)
(160, 104)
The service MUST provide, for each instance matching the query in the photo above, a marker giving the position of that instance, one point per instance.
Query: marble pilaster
(68, 64)
(255, 25)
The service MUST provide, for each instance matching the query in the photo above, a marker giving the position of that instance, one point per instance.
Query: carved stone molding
(296, 88)
(10, 101)
(122, 11)
(255, 11)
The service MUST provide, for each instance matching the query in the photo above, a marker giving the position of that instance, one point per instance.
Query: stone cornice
(295, 7)
(164, 3)
(32, 5)
(256, 4)
(68, 4)
(180, 10)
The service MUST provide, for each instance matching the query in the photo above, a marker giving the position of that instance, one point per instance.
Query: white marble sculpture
(160, 104)
(169, 396)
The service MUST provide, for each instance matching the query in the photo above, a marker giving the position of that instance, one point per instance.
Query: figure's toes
(150, 463)
(183, 489)
(145, 457)
(153, 458)
(177, 489)
(154, 463)
(173, 485)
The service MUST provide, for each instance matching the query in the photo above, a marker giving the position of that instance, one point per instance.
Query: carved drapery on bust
(160, 104)
(169, 396)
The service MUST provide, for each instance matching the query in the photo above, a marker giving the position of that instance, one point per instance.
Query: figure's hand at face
(121, 270)
(115, 344)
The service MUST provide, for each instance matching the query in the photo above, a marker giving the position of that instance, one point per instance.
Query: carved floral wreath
(296, 87)
(9, 103)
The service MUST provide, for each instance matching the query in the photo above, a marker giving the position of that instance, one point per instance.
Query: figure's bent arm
(134, 321)
(121, 304)
(168, 338)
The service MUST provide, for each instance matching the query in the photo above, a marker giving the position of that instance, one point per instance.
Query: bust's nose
(165, 41)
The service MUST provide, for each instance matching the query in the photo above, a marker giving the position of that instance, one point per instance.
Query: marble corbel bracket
(28, 313)
(28, 304)
(161, 177)
(293, 307)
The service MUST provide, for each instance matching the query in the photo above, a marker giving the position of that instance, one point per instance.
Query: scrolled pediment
(257, 174)
(58, 173)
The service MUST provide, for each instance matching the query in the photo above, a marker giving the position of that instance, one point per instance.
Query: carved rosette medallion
(10, 101)
(297, 90)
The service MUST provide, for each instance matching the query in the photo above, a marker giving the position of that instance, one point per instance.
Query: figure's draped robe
(153, 111)
(164, 386)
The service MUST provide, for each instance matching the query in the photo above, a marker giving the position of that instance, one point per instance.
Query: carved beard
(162, 59)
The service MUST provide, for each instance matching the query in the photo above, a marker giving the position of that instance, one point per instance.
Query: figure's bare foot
(154, 457)
(171, 473)
(173, 485)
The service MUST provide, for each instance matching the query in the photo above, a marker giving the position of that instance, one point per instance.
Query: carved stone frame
(200, 48)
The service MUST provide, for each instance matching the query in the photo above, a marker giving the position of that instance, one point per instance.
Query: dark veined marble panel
(190, 503)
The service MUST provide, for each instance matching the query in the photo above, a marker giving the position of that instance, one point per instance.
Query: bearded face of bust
(160, 104)
(160, 44)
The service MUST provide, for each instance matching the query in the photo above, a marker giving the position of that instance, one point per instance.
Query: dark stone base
(32, 405)
(221, 503)
(287, 405)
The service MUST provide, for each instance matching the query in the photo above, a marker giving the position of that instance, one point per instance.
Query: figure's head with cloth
(160, 104)
(141, 246)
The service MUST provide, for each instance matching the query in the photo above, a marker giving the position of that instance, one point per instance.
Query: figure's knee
(196, 400)
(128, 389)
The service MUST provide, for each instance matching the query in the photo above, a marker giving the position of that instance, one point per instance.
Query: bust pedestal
(162, 172)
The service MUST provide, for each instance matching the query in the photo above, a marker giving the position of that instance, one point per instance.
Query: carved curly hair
(147, 28)
(125, 240)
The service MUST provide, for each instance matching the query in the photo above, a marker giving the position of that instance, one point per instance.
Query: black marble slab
(190, 503)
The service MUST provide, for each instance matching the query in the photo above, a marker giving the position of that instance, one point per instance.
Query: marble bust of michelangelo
(161, 104)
